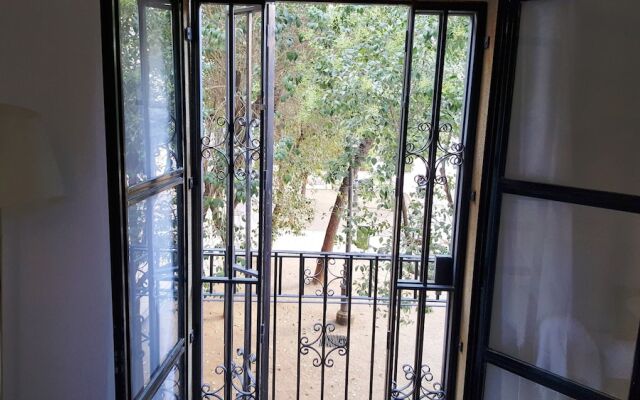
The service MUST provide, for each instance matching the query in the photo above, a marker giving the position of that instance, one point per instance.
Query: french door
(233, 82)
(191, 201)
(233, 53)
(142, 45)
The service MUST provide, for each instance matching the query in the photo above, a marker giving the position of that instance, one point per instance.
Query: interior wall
(56, 300)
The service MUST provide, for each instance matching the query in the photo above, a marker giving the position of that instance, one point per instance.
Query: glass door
(148, 199)
(233, 163)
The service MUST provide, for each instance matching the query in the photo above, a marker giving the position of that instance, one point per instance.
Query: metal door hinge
(473, 196)
(487, 42)
(188, 33)
(460, 347)
(191, 337)
(190, 183)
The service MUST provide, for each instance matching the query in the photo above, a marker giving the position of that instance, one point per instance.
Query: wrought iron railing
(329, 319)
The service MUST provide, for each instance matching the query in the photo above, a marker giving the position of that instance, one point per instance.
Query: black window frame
(494, 186)
(121, 196)
(478, 11)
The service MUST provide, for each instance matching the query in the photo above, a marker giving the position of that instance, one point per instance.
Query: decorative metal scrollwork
(418, 382)
(313, 277)
(324, 336)
(244, 150)
(454, 154)
(243, 380)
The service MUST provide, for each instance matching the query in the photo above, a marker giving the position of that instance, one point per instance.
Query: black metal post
(397, 217)
(266, 179)
(248, 289)
(230, 253)
(428, 213)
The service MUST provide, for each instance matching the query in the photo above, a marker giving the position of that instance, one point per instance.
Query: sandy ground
(359, 355)
(366, 369)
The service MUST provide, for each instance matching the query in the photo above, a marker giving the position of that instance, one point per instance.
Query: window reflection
(154, 263)
(148, 91)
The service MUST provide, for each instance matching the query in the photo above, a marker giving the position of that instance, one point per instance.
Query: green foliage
(339, 75)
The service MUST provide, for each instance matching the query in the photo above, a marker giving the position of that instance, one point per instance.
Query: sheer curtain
(567, 276)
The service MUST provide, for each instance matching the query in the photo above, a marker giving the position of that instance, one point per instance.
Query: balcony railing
(329, 320)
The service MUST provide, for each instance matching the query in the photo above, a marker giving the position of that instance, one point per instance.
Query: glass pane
(449, 148)
(173, 386)
(423, 70)
(574, 117)
(503, 385)
(154, 268)
(247, 121)
(567, 290)
(451, 138)
(148, 91)
(213, 109)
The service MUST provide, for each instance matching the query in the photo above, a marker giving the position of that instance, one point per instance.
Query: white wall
(56, 271)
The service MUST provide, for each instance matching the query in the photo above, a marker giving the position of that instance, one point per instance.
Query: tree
(339, 72)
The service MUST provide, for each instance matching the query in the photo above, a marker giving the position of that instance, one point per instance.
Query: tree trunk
(447, 189)
(336, 212)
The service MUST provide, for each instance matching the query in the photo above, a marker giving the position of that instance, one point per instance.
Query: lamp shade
(28, 171)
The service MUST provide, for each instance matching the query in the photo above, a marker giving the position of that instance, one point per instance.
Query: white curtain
(567, 276)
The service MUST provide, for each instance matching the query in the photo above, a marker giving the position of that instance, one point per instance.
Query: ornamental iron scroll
(454, 154)
(322, 340)
(243, 380)
(315, 278)
(419, 384)
(246, 149)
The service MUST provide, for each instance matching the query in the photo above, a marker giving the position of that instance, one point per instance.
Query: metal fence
(315, 296)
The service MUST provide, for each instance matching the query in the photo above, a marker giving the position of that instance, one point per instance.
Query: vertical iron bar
(211, 272)
(280, 280)
(198, 267)
(416, 269)
(323, 332)
(248, 289)
(247, 138)
(275, 329)
(349, 298)
(266, 177)
(373, 327)
(229, 257)
(369, 277)
(426, 226)
(300, 294)
(397, 217)
(397, 337)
